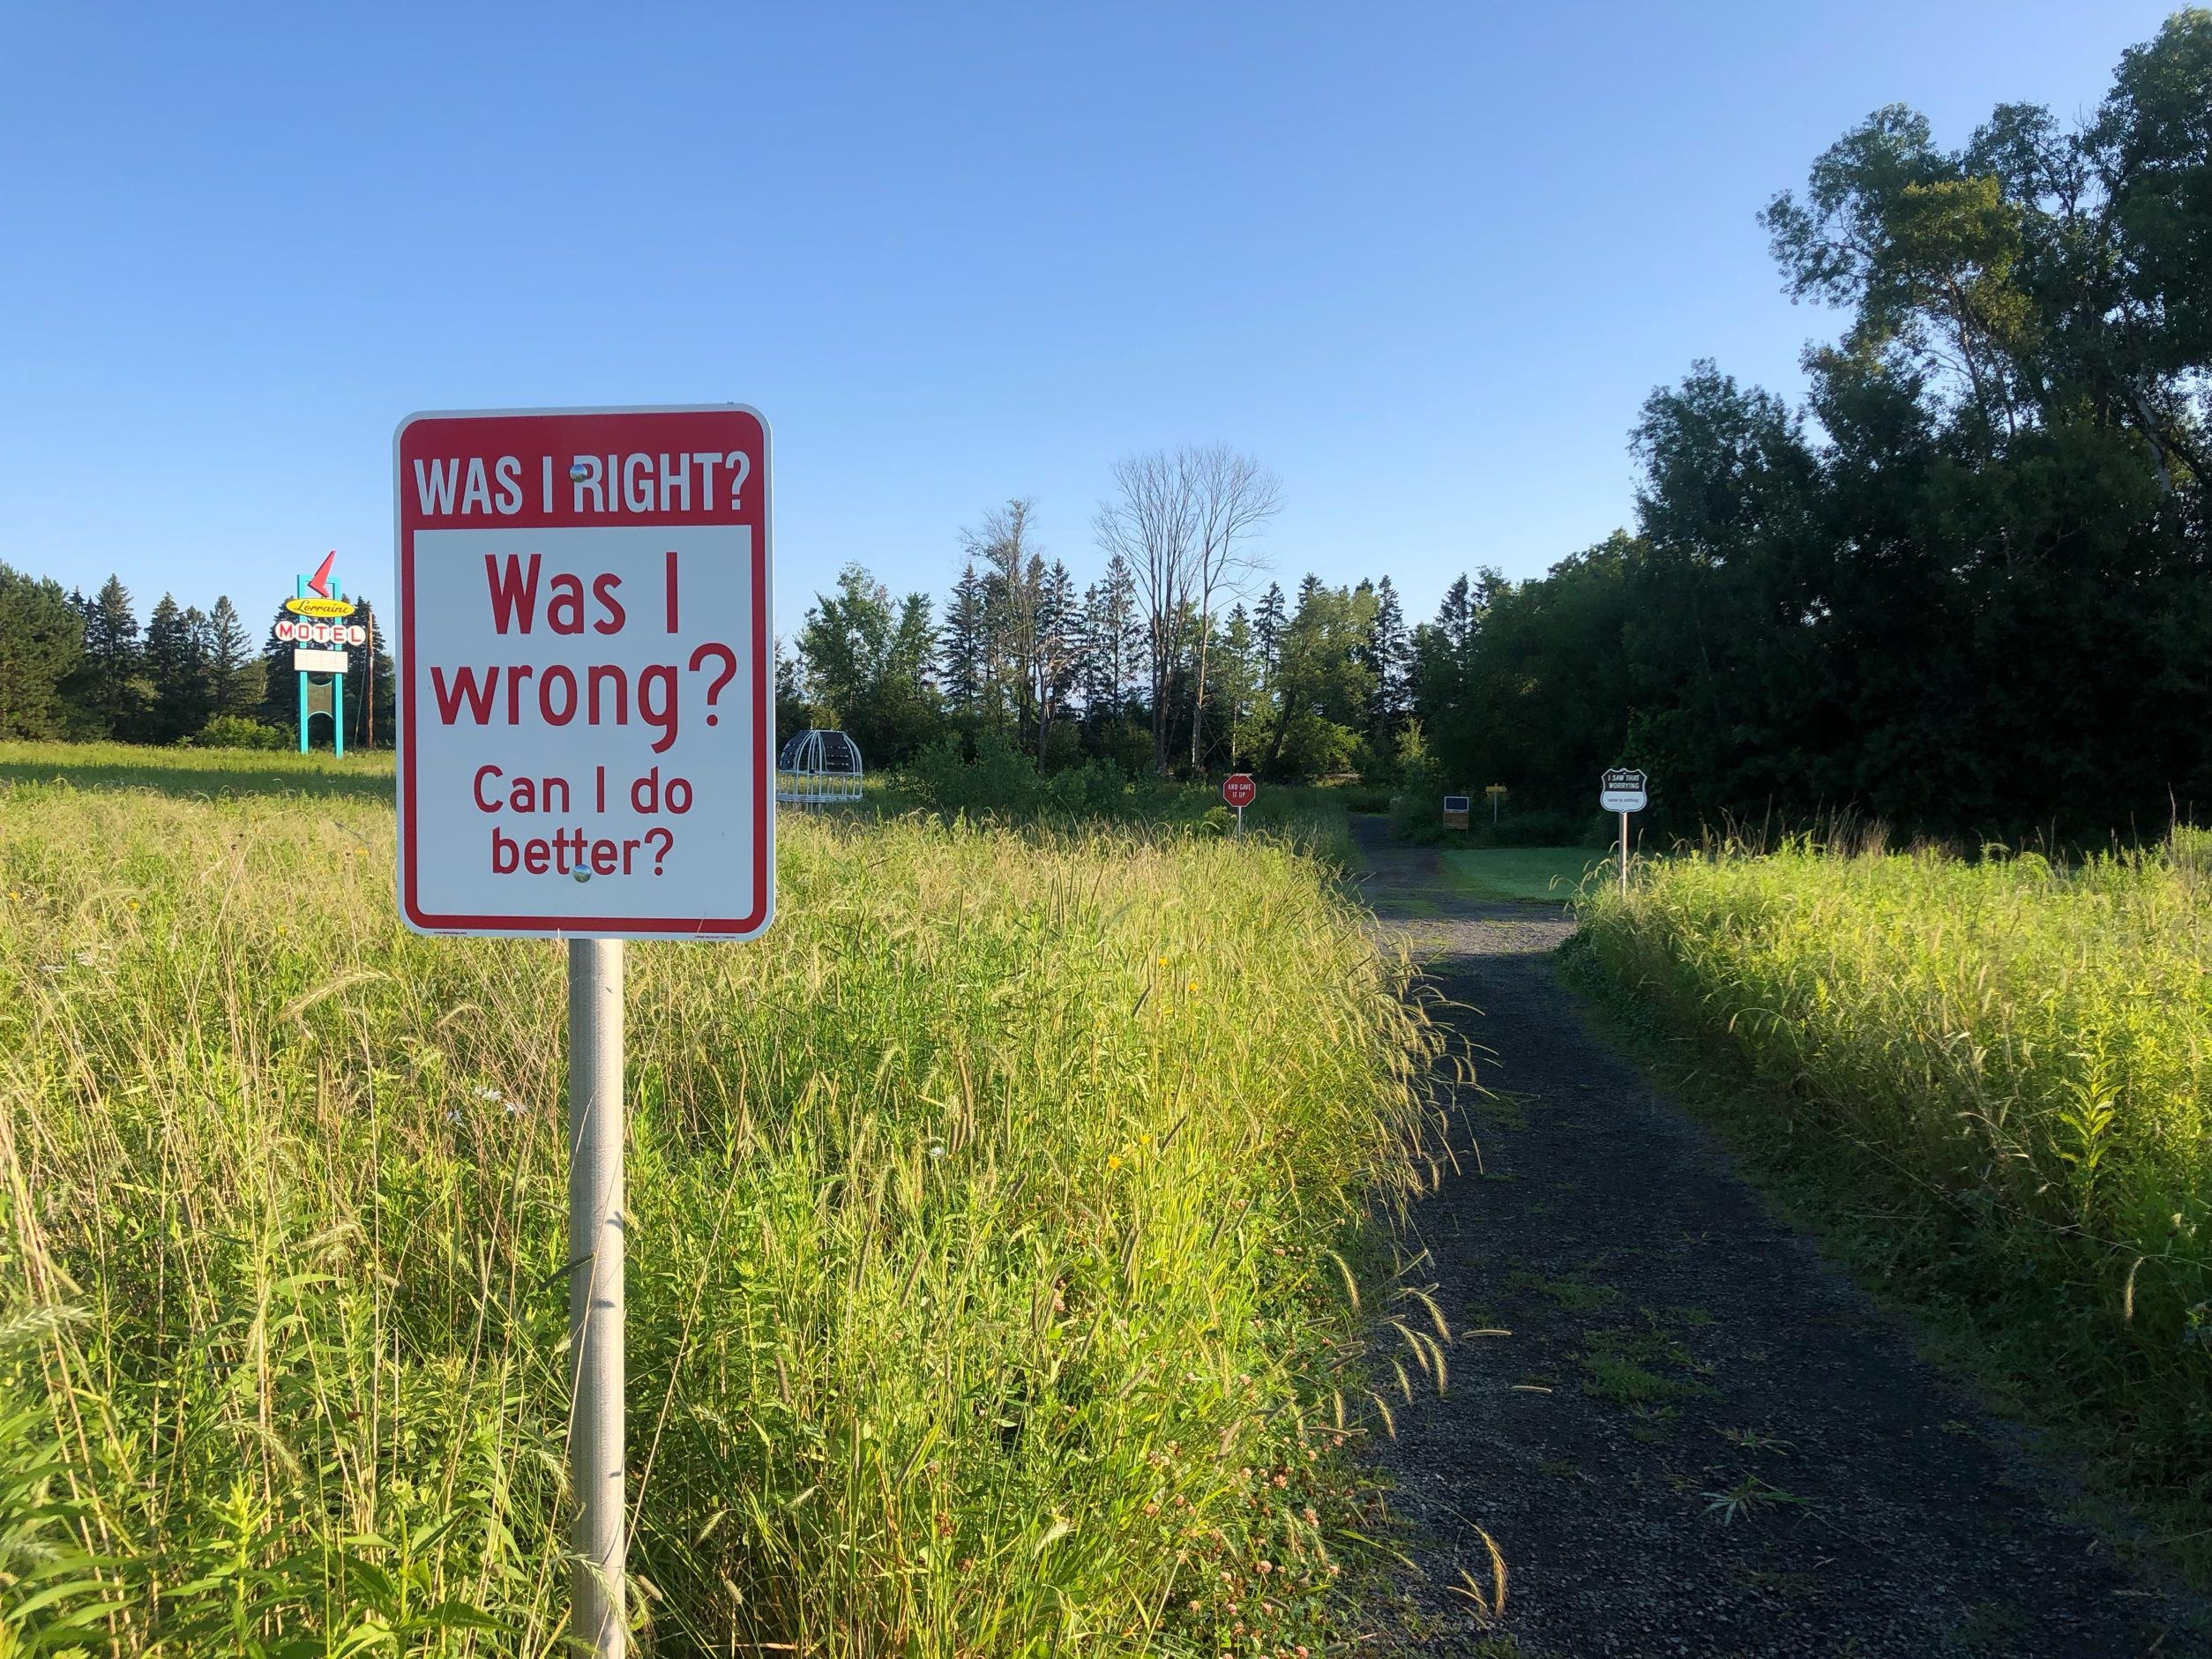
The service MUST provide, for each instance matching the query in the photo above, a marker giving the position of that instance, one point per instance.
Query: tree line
(82, 668)
(1959, 588)
(1167, 662)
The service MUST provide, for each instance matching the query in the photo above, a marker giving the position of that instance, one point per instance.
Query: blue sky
(1424, 260)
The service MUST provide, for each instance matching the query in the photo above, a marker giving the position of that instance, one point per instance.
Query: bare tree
(1183, 522)
(1152, 526)
(1235, 496)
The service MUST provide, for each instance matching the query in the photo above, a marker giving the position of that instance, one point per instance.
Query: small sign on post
(1456, 808)
(1624, 790)
(1497, 793)
(587, 753)
(1239, 791)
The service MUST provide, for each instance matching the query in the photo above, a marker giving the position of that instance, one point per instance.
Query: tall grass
(1002, 784)
(2002, 1070)
(993, 1226)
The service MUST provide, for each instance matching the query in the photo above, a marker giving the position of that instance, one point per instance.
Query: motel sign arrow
(585, 741)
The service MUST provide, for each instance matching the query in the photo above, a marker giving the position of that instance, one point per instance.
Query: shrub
(1095, 790)
(236, 731)
(1416, 812)
(1000, 782)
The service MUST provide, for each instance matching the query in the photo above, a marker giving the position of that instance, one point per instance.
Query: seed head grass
(995, 1228)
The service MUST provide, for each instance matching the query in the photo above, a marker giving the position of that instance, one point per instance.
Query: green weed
(1747, 1498)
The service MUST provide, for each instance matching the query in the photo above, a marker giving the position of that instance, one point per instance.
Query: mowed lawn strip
(992, 1226)
(1995, 1079)
(1531, 875)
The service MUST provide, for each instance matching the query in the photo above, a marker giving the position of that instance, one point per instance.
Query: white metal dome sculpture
(819, 768)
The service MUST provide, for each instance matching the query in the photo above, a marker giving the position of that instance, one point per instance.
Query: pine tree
(1268, 620)
(1234, 688)
(1364, 649)
(1059, 623)
(1112, 642)
(1388, 655)
(1013, 582)
(177, 665)
(41, 638)
(236, 675)
(960, 645)
(110, 686)
(1455, 617)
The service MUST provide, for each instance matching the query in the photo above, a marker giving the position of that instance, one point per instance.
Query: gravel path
(1699, 1437)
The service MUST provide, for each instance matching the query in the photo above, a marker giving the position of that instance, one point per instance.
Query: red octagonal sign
(1239, 790)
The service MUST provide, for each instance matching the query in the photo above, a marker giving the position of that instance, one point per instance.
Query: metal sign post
(1624, 790)
(587, 753)
(599, 1600)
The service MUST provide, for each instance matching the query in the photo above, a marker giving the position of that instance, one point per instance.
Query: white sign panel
(318, 661)
(587, 718)
(1623, 791)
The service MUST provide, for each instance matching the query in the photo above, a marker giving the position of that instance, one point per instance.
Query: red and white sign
(587, 718)
(1239, 790)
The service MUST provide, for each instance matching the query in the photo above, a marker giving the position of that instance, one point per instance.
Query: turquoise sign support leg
(338, 694)
(299, 585)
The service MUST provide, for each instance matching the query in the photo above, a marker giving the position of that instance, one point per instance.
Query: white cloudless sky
(1425, 260)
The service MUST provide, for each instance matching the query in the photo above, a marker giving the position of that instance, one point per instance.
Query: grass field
(1995, 1081)
(992, 1228)
(1544, 875)
(210, 773)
